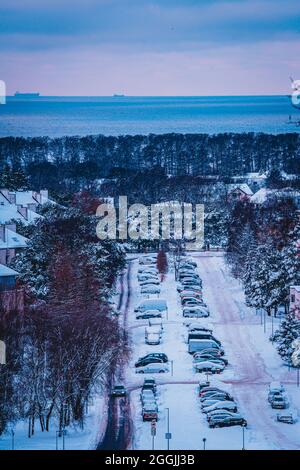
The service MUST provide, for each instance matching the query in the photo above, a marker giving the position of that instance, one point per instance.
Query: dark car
(119, 391)
(147, 360)
(149, 384)
(227, 422)
(162, 356)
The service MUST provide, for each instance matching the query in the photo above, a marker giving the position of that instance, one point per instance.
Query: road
(249, 353)
(253, 364)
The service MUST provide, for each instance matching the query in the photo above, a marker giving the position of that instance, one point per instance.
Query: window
(293, 298)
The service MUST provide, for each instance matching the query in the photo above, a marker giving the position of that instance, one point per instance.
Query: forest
(76, 159)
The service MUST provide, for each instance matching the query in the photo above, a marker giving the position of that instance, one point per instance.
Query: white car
(195, 312)
(152, 304)
(221, 405)
(151, 281)
(153, 339)
(208, 366)
(146, 314)
(150, 289)
(153, 368)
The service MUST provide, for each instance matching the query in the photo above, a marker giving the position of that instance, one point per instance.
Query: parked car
(195, 312)
(150, 282)
(149, 384)
(209, 389)
(162, 356)
(227, 422)
(147, 394)
(118, 391)
(152, 304)
(222, 414)
(223, 405)
(153, 368)
(197, 345)
(146, 314)
(209, 366)
(288, 418)
(150, 289)
(217, 352)
(279, 403)
(153, 339)
(198, 327)
(216, 396)
(149, 413)
(210, 357)
(203, 335)
(147, 360)
(276, 387)
(147, 277)
(155, 322)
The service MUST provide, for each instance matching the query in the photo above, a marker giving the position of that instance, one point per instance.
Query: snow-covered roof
(260, 196)
(25, 197)
(10, 212)
(243, 187)
(297, 288)
(13, 240)
(5, 271)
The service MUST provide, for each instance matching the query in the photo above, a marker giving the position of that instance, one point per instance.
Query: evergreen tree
(288, 332)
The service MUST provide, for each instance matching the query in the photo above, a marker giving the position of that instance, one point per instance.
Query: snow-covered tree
(287, 333)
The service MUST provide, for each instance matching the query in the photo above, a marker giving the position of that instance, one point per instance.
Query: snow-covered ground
(253, 364)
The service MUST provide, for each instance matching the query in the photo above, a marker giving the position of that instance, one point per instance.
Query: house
(264, 194)
(19, 213)
(11, 298)
(295, 301)
(10, 242)
(239, 192)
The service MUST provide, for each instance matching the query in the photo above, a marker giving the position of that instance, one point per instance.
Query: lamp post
(243, 428)
(204, 443)
(12, 439)
(168, 428)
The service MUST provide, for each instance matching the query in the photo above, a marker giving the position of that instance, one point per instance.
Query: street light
(204, 442)
(243, 428)
(168, 435)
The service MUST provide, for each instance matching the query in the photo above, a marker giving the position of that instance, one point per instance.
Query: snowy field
(253, 364)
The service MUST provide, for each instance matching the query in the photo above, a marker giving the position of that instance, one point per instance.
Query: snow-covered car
(227, 422)
(187, 262)
(209, 388)
(279, 403)
(147, 277)
(148, 260)
(155, 322)
(145, 315)
(152, 304)
(197, 345)
(195, 312)
(276, 387)
(153, 368)
(154, 329)
(216, 396)
(153, 339)
(288, 418)
(198, 327)
(210, 357)
(191, 293)
(147, 394)
(194, 287)
(147, 360)
(147, 269)
(221, 405)
(219, 414)
(149, 413)
(152, 281)
(216, 352)
(208, 366)
(150, 289)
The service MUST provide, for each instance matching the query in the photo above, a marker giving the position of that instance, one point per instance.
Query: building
(295, 300)
(11, 298)
(10, 243)
(240, 192)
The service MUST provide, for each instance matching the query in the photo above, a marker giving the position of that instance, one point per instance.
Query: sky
(149, 47)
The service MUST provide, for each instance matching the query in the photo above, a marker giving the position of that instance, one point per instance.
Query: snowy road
(253, 364)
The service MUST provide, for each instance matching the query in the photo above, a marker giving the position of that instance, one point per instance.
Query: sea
(122, 115)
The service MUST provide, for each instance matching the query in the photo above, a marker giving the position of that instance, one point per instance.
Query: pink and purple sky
(149, 47)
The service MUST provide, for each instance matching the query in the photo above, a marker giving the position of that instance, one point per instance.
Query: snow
(75, 439)
(253, 365)
(12, 239)
(5, 271)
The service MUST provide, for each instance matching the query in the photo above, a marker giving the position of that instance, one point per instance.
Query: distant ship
(118, 95)
(26, 95)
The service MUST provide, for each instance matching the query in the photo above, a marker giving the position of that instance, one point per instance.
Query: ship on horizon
(116, 95)
(18, 94)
